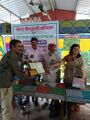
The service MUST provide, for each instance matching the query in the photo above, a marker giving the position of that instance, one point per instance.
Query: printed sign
(45, 32)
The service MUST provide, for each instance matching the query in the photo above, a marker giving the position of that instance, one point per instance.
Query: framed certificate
(38, 67)
(33, 72)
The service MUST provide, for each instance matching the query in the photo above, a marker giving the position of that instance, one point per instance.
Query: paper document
(78, 82)
(38, 66)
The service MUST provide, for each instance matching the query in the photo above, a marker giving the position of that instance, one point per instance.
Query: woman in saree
(74, 67)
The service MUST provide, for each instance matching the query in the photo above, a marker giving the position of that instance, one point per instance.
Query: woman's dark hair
(13, 42)
(34, 39)
(71, 50)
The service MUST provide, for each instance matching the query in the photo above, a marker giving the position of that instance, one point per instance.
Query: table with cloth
(55, 92)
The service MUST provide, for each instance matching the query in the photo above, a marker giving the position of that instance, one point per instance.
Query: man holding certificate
(52, 65)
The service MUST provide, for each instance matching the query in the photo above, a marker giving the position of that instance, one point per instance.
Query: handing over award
(38, 66)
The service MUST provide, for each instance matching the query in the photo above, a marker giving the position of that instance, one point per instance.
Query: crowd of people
(10, 68)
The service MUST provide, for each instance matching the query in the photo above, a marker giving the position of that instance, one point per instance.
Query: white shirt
(34, 55)
(50, 60)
